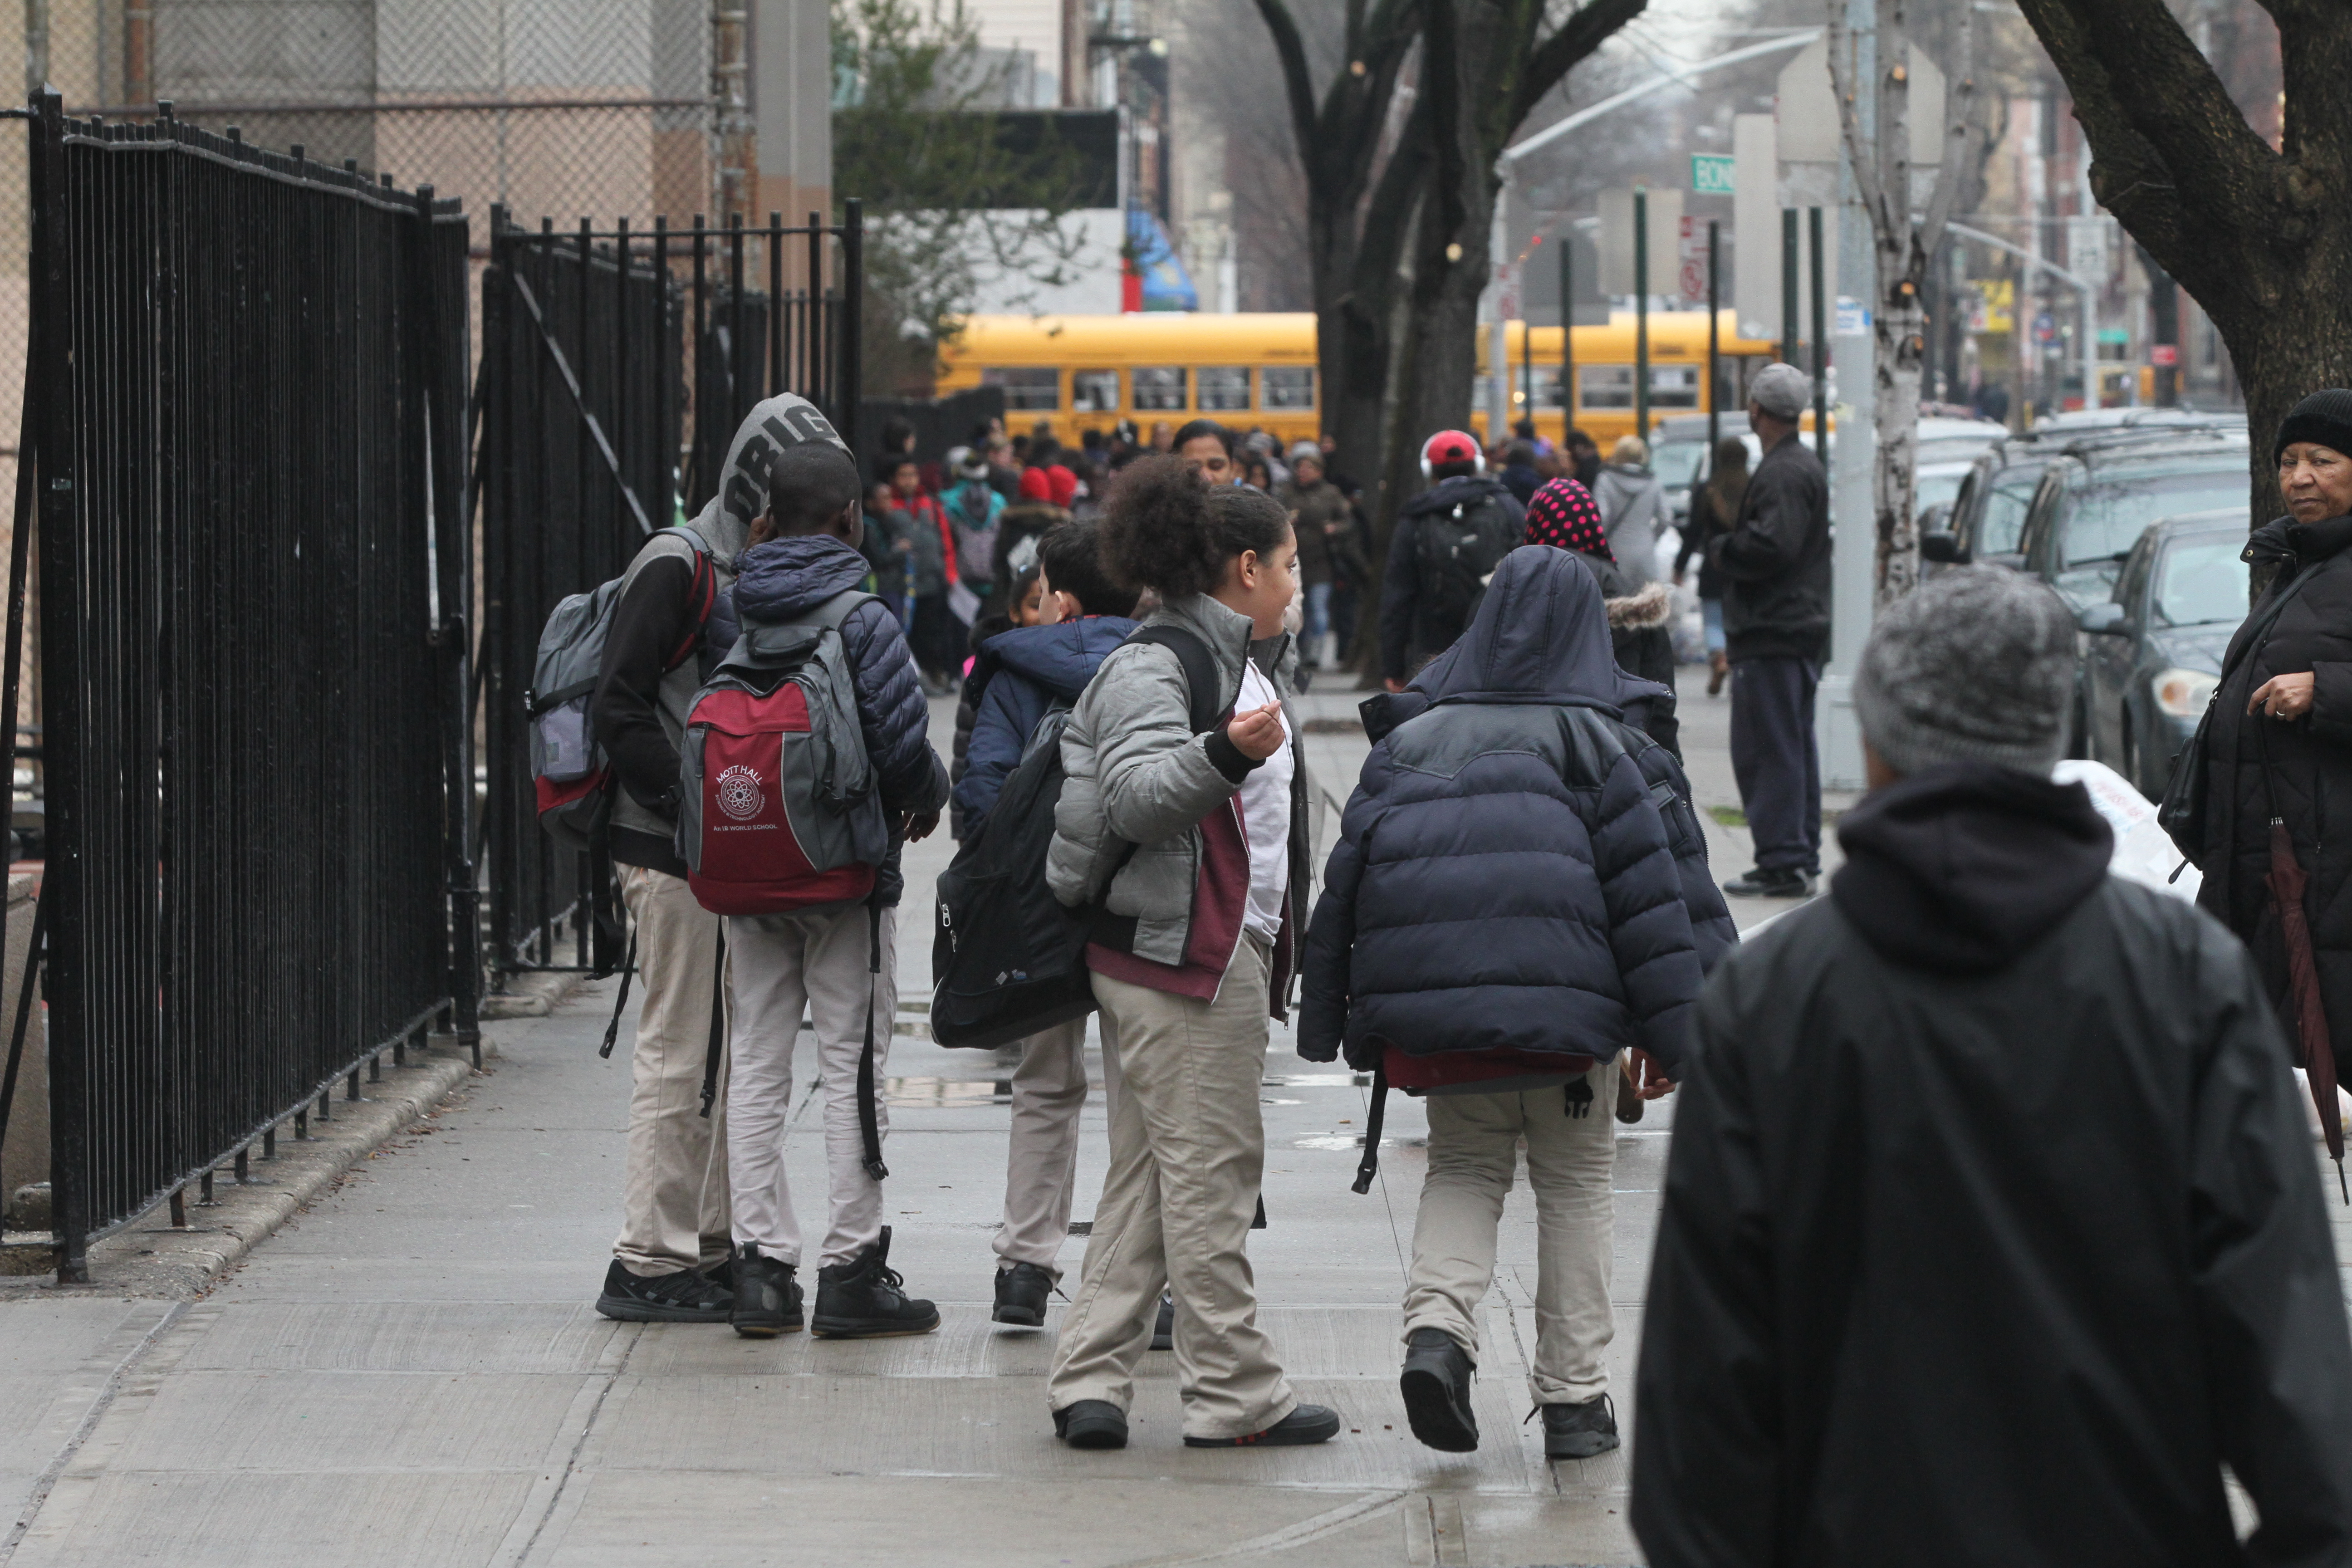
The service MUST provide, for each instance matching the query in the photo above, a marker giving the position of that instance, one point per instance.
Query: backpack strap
(869, 1130)
(1201, 680)
(701, 597)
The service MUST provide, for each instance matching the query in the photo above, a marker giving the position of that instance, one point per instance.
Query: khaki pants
(779, 964)
(1187, 1153)
(673, 1203)
(1041, 1163)
(1474, 1143)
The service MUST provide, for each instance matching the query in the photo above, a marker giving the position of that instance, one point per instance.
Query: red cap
(1035, 486)
(1065, 484)
(1451, 446)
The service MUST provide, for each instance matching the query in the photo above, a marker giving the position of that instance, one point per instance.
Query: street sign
(2164, 354)
(1692, 279)
(1711, 174)
(2045, 328)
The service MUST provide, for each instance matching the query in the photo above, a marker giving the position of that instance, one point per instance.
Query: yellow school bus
(1258, 371)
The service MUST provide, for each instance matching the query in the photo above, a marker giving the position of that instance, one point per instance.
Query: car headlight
(2185, 693)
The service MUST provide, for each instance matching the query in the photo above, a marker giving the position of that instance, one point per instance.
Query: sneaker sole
(838, 1330)
(1582, 1447)
(627, 1311)
(1274, 1438)
(1018, 1317)
(767, 1331)
(1430, 1409)
(1095, 1435)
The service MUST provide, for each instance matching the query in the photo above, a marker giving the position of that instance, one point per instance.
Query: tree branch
(1843, 88)
(1959, 132)
(1573, 41)
(1290, 49)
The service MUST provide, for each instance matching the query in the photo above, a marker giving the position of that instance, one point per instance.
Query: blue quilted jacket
(1519, 869)
(788, 577)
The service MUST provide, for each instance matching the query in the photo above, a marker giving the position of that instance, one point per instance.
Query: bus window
(1159, 389)
(1093, 391)
(1286, 387)
(1224, 388)
(1674, 386)
(1028, 389)
(1547, 391)
(1605, 386)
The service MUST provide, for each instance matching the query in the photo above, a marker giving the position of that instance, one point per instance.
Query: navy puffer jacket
(785, 578)
(1020, 674)
(1519, 869)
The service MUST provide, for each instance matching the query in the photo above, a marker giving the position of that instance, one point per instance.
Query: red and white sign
(1694, 261)
(2166, 354)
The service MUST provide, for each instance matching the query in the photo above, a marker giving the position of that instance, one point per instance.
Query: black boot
(1580, 1431)
(864, 1298)
(767, 1296)
(1436, 1389)
(1775, 882)
(1021, 1292)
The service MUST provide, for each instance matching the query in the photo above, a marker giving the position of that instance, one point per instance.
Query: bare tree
(2260, 237)
(1903, 242)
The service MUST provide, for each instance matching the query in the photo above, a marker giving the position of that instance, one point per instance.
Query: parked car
(2096, 499)
(1988, 511)
(2153, 652)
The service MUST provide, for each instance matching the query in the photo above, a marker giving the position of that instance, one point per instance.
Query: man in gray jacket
(669, 1261)
(1776, 622)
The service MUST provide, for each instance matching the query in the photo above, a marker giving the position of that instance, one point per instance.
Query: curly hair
(1167, 528)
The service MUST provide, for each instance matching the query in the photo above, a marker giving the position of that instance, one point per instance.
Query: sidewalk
(411, 1370)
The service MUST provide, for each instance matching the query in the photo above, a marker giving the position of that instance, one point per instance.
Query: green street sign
(1711, 174)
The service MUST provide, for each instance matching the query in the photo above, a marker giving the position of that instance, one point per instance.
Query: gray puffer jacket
(1136, 773)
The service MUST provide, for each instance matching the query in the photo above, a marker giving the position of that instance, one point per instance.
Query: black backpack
(1456, 552)
(1008, 959)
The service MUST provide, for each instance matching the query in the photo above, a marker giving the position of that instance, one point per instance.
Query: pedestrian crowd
(1991, 1229)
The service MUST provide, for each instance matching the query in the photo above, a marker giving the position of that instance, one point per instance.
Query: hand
(2283, 696)
(1394, 684)
(918, 827)
(1649, 1081)
(1257, 733)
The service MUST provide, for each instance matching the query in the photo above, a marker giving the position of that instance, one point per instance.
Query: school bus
(1258, 371)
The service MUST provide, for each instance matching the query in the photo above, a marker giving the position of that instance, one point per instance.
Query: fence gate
(246, 392)
(615, 366)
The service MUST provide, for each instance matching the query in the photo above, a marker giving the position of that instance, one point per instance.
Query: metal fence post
(853, 322)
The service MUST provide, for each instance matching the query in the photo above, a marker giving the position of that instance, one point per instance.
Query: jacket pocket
(1683, 836)
(1156, 883)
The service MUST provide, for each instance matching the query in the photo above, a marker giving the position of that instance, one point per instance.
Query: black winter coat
(1991, 1227)
(1413, 627)
(1517, 870)
(2310, 775)
(1775, 562)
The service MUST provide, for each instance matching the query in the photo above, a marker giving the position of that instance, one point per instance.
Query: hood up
(1963, 866)
(774, 423)
(1060, 658)
(1541, 635)
(789, 577)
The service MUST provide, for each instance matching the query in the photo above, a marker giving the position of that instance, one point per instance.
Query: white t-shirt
(1265, 816)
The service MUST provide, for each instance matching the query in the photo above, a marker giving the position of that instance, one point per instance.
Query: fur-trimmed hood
(1653, 606)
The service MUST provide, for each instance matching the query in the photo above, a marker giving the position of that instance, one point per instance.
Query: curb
(152, 1257)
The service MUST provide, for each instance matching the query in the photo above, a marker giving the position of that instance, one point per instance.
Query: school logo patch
(738, 793)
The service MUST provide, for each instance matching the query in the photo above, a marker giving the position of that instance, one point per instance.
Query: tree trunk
(1901, 331)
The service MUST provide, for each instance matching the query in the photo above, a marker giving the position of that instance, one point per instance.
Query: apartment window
(1093, 391)
(1224, 388)
(1159, 389)
(1287, 388)
(1028, 389)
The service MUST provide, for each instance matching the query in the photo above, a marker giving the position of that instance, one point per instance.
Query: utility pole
(1853, 553)
(1641, 313)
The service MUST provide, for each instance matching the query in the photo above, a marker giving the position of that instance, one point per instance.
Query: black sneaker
(685, 1296)
(1091, 1423)
(1308, 1423)
(1579, 1431)
(864, 1298)
(767, 1296)
(1021, 1293)
(1436, 1389)
(1163, 1327)
(720, 1272)
(1777, 883)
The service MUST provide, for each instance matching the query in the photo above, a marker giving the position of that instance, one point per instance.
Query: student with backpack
(809, 881)
(670, 1262)
(1181, 824)
(1024, 674)
(1448, 541)
(1520, 900)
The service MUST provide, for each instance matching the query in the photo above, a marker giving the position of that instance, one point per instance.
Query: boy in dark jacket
(1992, 1230)
(1519, 898)
(1021, 674)
(819, 960)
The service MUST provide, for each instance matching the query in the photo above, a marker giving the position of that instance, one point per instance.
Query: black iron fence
(616, 365)
(246, 396)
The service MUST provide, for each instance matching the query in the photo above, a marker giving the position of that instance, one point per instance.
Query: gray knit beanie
(1782, 390)
(1975, 666)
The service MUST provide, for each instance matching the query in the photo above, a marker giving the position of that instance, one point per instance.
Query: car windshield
(1937, 488)
(2004, 512)
(1676, 462)
(2109, 515)
(2201, 580)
